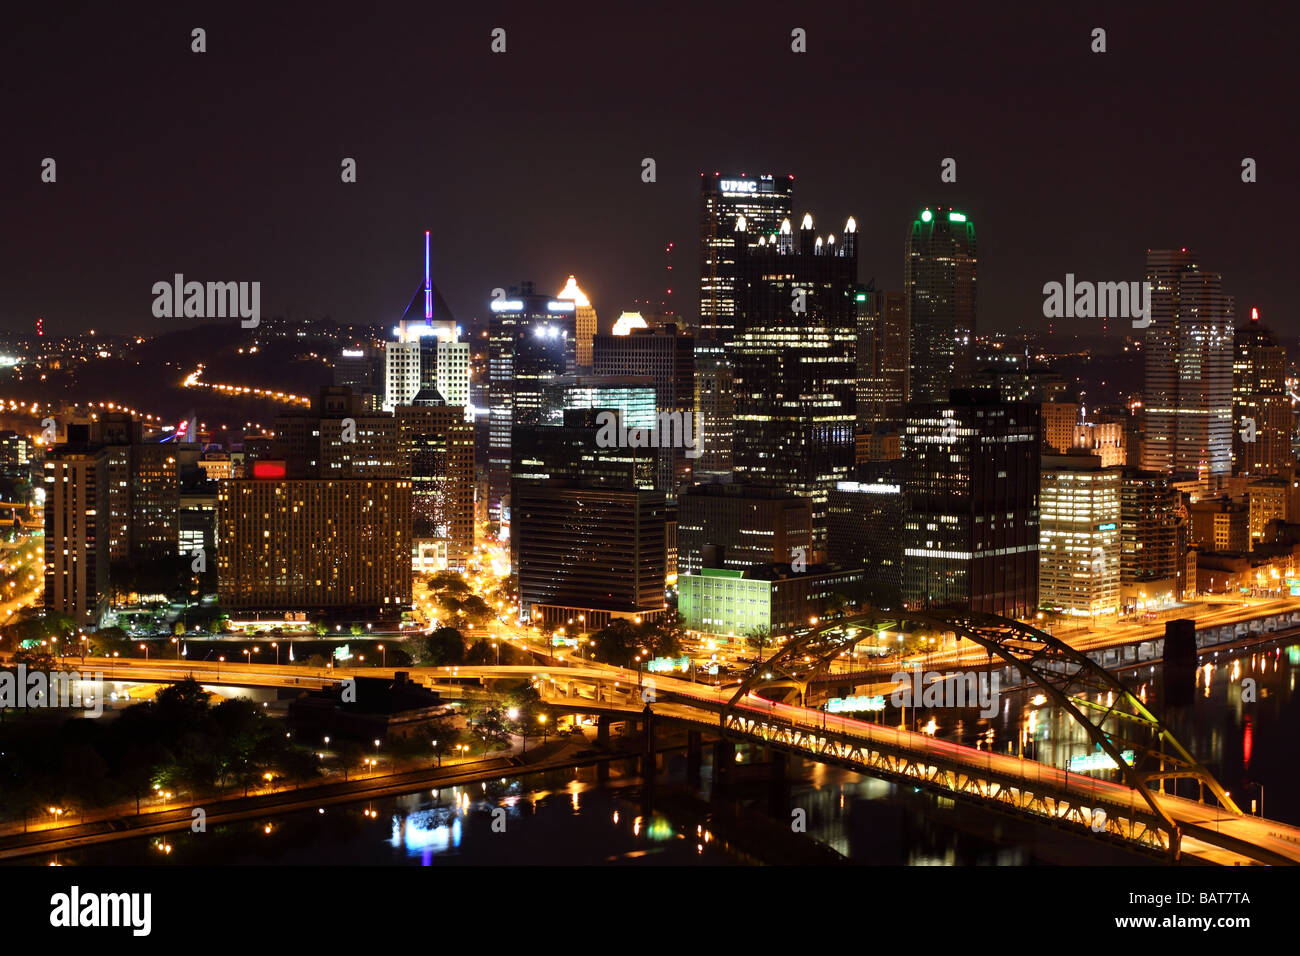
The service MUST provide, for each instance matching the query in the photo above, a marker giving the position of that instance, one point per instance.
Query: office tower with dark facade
(1261, 405)
(737, 526)
(362, 370)
(667, 357)
(591, 550)
(939, 286)
(569, 448)
(864, 528)
(76, 531)
(532, 341)
(1153, 538)
(764, 202)
(795, 364)
(970, 489)
(1188, 354)
(882, 356)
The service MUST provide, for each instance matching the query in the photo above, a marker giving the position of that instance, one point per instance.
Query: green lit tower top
(939, 285)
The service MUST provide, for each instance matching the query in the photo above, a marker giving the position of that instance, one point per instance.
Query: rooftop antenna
(428, 284)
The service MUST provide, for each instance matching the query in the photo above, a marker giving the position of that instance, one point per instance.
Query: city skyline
(589, 435)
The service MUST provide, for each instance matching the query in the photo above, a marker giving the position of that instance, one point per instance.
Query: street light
(145, 648)
(277, 653)
(383, 655)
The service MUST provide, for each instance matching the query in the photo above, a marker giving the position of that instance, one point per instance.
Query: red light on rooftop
(268, 469)
(1254, 314)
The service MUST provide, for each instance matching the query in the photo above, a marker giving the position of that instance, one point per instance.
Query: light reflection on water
(571, 817)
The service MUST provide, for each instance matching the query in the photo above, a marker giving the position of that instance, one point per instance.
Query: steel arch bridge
(1111, 714)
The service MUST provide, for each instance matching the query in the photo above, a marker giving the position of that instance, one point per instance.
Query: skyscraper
(668, 358)
(764, 202)
(76, 532)
(1079, 535)
(1153, 539)
(532, 342)
(939, 285)
(584, 320)
(590, 550)
(1188, 354)
(882, 355)
(440, 446)
(1261, 406)
(428, 352)
(795, 364)
(970, 493)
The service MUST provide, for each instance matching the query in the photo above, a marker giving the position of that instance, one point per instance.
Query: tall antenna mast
(428, 283)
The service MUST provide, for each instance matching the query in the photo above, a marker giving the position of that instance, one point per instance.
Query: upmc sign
(732, 187)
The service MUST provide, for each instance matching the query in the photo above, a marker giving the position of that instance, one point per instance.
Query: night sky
(225, 166)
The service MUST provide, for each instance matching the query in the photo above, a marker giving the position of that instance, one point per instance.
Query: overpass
(1136, 811)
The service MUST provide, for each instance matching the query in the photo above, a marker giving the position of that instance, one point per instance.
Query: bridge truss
(1109, 712)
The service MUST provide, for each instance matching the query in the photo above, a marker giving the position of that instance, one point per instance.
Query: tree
(183, 704)
(617, 643)
(448, 581)
(444, 646)
(36, 659)
(443, 737)
(759, 638)
(490, 725)
(481, 652)
(349, 754)
(32, 628)
(526, 702)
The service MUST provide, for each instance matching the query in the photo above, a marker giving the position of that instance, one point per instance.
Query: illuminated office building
(584, 320)
(1079, 536)
(76, 532)
(939, 286)
(736, 526)
(1189, 357)
(1261, 404)
(590, 550)
(970, 490)
(882, 355)
(1153, 539)
(667, 357)
(300, 544)
(439, 445)
(794, 363)
(764, 202)
(532, 342)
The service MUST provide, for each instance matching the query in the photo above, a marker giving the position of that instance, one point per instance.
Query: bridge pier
(724, 762)
(602, 730)
(694, 755)
(1180, 662)
(779, 789)
(648, 755)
